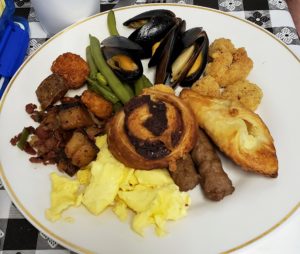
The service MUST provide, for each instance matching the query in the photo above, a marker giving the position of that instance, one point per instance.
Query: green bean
(111, 23)
(141, 83)
(138, 86)
(117, 106)
(23, 138)
(101, 79)
(112, 80)
(102, 90)
(90, 61)
(129, 89)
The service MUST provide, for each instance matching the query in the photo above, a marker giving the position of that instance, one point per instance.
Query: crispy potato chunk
(72, 68)
(228, 65)
(74, 116)
(97, 104)
(207, 86)
(247, 93)
(80, 149)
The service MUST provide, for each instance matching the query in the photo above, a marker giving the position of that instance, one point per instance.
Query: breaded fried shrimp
(246, 93)
(207, 86)
(220, 46)
(228, 64)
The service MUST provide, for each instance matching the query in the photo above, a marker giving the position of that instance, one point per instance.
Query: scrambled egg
(150, 194)
(65, 193)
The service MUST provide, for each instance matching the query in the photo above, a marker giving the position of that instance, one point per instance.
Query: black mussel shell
(195, 41)
(174, 36)
(200, 64)
(143, 18)
(192, 35)
(122, 43)
(152, 32)
(164, 53)
(126, 65)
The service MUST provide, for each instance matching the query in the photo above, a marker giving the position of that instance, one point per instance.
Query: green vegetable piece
(146, 81)
(90, 61)
(115, 84)
(102, 90)
(117, 107)
(101, 79)
(129, 89)
(111, 23)
(141, 83)
(23, 139)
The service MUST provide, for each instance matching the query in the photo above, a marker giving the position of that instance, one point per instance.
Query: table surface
(18, 236)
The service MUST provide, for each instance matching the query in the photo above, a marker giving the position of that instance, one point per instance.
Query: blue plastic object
(14, 41)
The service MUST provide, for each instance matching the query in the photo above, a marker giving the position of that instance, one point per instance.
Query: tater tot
(73, 68)
(97, 104)
(246, 93)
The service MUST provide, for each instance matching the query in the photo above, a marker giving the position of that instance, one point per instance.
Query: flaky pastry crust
(157, 145)
(238, 132)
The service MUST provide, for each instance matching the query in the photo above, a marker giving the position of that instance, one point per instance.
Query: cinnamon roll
(152, 131)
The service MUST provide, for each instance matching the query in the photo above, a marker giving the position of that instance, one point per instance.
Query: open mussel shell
(166, 51)
(191, 62)
(173, 36)
(122, 42)
(141, 19)
(126, 65)
(153, 31)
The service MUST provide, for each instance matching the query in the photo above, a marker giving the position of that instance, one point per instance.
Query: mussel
(190, 63)
(122, 55)
(165, 51)
(117, 41)
(177, 54)
(141, 19)
(153, 31)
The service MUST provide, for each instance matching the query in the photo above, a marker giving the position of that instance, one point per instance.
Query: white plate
(257, 204)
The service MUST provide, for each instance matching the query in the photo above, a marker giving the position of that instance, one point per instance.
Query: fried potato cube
(207, 86)
(246, 93)
(74, 116)
(80, 149)
(97, 104)
(73, 68)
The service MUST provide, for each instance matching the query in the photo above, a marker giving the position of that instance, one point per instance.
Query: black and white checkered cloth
(17, 235)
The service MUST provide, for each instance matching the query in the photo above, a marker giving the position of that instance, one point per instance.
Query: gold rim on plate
(75, 247)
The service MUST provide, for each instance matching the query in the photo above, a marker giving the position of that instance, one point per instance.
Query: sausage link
(214, 181)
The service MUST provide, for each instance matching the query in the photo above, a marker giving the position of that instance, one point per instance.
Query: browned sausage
(213, 179)
(185, 175)
(51, 90)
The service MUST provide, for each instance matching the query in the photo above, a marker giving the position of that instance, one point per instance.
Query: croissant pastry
(240, 133)
(152, 131)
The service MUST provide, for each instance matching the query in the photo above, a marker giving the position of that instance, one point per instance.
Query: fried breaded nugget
(220, 46)
(228, 65)
(246, 93)
(207, 86)
(97, 104)
(238, 132)
(72, 68)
